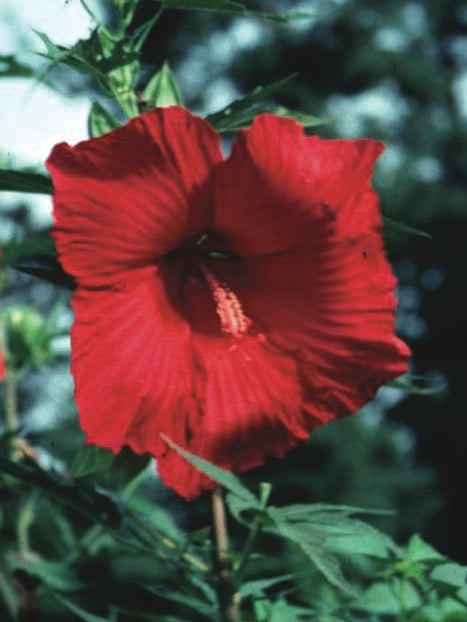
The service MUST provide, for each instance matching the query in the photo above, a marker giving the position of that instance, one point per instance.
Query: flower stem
(11, 401)
(229, 603)
(255, 530)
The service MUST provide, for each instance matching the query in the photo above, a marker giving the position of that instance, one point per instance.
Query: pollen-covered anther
(228, 307)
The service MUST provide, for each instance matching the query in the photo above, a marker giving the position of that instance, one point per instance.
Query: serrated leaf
(311, 542)
(162, 89)
(100, 121)
(224, 478)
(78, 611)
(91, 459)
(231, 8)
(25, 181)
(241, 112)
(401, 227)
(450, 574)
(251, 588)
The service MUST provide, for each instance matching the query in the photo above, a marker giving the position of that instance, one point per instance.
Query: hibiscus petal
(252, 409)
(125, 198)
(330, 306)
(287, 185)
(132, 365)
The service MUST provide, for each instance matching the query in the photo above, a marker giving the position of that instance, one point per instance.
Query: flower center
(233, 321)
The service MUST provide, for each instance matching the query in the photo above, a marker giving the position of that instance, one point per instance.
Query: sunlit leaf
(241, 112)
(25, 181)
(450, 574)
(307, 120)
(162, 89)
(419, 551)
(100, 121)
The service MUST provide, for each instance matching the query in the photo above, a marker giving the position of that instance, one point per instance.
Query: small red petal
(125, 198)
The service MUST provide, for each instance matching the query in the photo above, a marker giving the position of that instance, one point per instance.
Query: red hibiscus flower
(232, 305)
(2, 366)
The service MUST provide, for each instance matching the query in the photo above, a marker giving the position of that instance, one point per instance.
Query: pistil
(233, 321)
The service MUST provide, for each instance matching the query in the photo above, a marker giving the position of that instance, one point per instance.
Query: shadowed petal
(125, 198)
(288, 186)
(330, 307)
(251, 403)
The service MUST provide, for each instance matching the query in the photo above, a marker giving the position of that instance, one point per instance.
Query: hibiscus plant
(227, 302)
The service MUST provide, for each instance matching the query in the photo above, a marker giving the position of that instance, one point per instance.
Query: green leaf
(100, 121)
(163, 591)
(401, 227)
(409, 386)
(162, 89)
(419, 551)
(97, 506)
(37, 244)
(307, 120)
(390, 599)
(224, 478)
(251, 588)
(56, 575)
(45, 268)
(78, 611)
(282, 611)
(241, 112)
(321, 529)
(91, 459)
(25, 181)
(379, 599)
(11, 68)
(311, 542)
(372, 544)
(450, 574)
(229, 7)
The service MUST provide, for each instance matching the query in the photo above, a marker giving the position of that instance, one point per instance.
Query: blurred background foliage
(393, 70)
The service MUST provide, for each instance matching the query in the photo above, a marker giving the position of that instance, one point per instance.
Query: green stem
(11, 401)
(167, 542)
(255, 530)
(229, 601)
